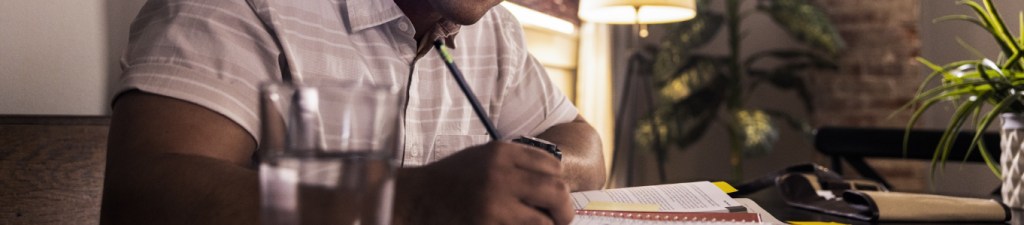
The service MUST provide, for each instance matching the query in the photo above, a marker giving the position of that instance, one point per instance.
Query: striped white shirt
(215, 53)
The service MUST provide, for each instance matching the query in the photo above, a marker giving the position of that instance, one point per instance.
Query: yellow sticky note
(814, 223)
(619, 206)
(725, 187)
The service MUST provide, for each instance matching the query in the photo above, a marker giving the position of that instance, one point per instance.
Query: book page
(588, 217)
(599, 220)
(682, 197)
(595, 220)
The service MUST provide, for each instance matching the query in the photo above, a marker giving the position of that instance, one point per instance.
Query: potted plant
(693, 91)
(981, 91)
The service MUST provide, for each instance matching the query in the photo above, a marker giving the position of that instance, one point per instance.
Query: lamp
(639, 12)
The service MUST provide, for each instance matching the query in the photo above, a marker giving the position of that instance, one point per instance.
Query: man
(184, 125)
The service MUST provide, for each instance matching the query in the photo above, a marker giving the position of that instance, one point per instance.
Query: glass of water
(328, 153)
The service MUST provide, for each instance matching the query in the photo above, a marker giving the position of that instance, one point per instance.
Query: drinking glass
(328, 153)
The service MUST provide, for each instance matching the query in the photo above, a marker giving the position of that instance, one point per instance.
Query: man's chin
(465, 19)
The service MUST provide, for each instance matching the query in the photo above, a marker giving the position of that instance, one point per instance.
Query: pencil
(480, 113)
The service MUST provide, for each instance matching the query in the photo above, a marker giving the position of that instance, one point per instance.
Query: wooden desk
(51, 169)
(771, 200)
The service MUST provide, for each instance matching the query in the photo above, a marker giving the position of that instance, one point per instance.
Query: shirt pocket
(446, 145)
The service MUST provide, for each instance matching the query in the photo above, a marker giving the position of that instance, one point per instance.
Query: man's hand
(497, 183)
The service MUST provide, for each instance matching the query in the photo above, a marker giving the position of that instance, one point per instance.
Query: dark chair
(854, 144)
(51, 169)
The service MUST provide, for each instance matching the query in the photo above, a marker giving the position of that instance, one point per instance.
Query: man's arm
(174, 162)
(582, 162)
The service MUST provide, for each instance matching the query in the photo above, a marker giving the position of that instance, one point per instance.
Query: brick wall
(877, 73)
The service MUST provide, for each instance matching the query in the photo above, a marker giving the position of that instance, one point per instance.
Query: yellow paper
(619, 206)
(815, 223)
(725, 187)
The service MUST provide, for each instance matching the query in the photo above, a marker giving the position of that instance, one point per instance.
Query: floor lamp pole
(627, 94)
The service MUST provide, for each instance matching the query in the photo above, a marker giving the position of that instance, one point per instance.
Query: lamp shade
(637, 11)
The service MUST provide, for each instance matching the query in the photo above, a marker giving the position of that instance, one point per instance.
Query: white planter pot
(1011, 160)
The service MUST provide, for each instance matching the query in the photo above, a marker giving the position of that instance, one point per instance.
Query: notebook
(682, 203)
(700, 196)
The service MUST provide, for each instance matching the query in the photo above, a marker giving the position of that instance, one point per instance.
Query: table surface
(771, 200)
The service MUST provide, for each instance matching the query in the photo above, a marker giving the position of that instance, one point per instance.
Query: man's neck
(422, 15)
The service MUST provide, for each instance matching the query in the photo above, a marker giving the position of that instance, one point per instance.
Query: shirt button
(403, 26)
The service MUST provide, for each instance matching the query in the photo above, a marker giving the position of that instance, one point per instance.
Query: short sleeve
(211, 53)
(531, 103)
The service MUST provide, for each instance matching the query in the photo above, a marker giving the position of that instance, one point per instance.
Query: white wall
(56, 56)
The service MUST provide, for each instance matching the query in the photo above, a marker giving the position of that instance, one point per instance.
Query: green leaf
(698, 73)
(790, 55)
(681, 120)
(692, 115)
(652, 133)
(1013, 61)
(804, 22)
(799, 124)
(948, 138)
(914, 117)
(994, 25)
(992, 165)
(930, 97)
(788, 80)
(787, 77)
(936, 70)
(756, 131)
(679, 128)
(980, 130)
(1000, 28)
(964, 18)
(682, 38)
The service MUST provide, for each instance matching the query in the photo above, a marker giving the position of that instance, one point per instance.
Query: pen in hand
(480, 113)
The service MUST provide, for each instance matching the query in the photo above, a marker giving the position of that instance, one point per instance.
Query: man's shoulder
(499, 15)
(498, 21)
(199, 7)
(500, 11)
(209, 4)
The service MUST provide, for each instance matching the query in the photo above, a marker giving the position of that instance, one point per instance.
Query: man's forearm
(179, 189)
(582, 162)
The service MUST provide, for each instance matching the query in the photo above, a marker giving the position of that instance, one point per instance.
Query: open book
(682, 203)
